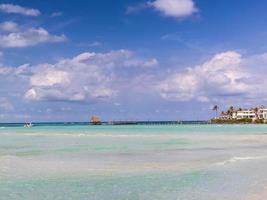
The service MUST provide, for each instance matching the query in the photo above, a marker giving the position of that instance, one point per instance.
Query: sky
(130, 59)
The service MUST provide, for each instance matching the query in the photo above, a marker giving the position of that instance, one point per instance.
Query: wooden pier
(153, 122)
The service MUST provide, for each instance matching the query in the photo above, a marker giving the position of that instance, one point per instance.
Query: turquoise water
(179, 162)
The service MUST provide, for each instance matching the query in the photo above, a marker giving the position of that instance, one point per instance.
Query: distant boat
(28, 125)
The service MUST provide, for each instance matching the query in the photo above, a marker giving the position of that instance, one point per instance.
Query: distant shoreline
(128, 123)
(115, 123)
(237, 121)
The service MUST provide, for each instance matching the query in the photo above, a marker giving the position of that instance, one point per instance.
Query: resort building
(258, 113)
(262, 113)
(242, 114)
(225, 116)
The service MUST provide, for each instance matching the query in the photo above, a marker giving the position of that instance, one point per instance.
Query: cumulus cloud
(16, 9)
(169, 8)
(5, 70)
(175, 8)
(50, 78)
(224, 76)
(25, 38)
(122, 76)
(8, 26)
(141, 63)
(91, 76)
(86, 77)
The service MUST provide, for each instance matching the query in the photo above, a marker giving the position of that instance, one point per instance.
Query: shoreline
(107, 124)
(237, 121)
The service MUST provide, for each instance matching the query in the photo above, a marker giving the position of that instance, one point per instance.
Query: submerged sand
(260, 195)
(139, 162)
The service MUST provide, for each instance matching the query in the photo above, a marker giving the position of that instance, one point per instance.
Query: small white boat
(28, 125)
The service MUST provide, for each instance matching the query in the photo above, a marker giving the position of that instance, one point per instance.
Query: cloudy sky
(130, 59)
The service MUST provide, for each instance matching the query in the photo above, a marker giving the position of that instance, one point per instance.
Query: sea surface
(133, 162)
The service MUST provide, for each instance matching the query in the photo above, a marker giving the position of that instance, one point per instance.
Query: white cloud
(94, 77)
(8, 26)
(169, 8)
(49, 78)
(225, 75)
(16, 9)
(85, 77)
(151, 63)
(175, 8)
(5, 70)
(78, 79)
(141, 63)
(29, 37)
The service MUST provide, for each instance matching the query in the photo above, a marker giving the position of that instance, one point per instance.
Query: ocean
(133, 162)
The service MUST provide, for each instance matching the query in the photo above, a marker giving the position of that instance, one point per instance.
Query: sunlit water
(182, 162)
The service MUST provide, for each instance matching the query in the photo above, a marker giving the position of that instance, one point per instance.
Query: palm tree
(256, 110)
(216, 108)
(231, 110)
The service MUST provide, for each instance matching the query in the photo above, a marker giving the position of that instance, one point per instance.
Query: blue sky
(130, 60)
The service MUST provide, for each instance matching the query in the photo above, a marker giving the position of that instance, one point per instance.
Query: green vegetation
(237, 121)
(259, 121)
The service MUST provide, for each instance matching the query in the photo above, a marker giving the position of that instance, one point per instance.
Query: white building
(243, 114)
(262, 113)
(225, 116)
(250, 114)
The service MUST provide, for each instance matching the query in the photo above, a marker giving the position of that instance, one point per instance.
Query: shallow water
(182, 162)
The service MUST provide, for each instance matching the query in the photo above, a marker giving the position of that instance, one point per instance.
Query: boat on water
(28, 125)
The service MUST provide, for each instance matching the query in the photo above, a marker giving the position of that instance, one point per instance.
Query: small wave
(237, 159)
